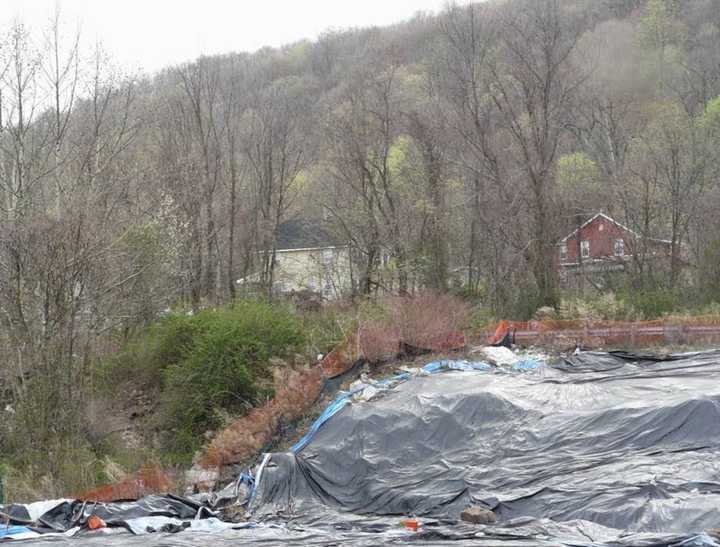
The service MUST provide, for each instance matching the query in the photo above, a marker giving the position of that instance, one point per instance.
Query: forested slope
(462, 145)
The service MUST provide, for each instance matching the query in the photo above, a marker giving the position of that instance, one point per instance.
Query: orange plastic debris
(95, 523)
(411, 524)
(502, 329)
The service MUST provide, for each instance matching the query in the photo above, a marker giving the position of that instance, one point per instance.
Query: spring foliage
(208, 364)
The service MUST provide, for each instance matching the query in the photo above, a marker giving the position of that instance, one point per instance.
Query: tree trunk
(231, 226)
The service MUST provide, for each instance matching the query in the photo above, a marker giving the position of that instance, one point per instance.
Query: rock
(478, 515)
(713, 532)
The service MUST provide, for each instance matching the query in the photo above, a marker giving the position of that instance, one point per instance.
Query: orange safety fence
(246, 436)
(672, 330)
(341, 358)
(149, 480)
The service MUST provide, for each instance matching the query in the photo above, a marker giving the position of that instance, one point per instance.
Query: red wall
(602, 234)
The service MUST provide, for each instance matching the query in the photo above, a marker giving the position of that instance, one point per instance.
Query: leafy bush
(607, 306)
(629, 305)
(327, 328)
(205, 366)
(224, 369)
(143, 359)
(654, 303)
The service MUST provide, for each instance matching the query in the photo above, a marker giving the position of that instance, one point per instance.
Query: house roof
(593, 219)
(616, 223)
(304, 234)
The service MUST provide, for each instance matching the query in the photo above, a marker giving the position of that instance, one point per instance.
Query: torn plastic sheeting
(37, 509)
(29, 513)
(500, 356)
(14, 532)
(260, 468)
(213, 525)
(149, 525)
(116, 514)
(619, 444)
(237, 491)
(65, 517)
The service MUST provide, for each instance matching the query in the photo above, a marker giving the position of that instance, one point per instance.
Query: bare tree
(276, 153)
(534, 89)
(59, 266)
(19, 106)
(201, 84)
(464, 75)
(61, 71)
(671, 160)
(362, 131)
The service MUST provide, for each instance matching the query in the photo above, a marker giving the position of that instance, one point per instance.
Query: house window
(619, 247)
(563, 252)
(585, 249)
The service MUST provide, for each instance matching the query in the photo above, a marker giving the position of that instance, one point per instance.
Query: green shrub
(654, 303)
(606, 306)
(224, 369)
(626, 305)
(142, 360)
(207, 366)
(325, 329)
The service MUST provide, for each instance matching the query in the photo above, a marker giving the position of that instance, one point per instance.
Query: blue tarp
(526, 364)
(340, 401)
(6, 531)
(467, 366)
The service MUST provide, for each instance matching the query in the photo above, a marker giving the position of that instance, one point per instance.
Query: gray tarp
(604, 444)
(597, 449)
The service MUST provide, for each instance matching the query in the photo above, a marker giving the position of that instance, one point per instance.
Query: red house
(602, 244)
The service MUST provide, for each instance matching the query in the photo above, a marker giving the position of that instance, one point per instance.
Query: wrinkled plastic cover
(594, 450)
(609, 448)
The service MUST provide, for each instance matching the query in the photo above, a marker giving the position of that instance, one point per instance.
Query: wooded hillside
(463, 146)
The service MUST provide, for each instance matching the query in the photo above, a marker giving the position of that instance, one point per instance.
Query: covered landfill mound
(597, 449)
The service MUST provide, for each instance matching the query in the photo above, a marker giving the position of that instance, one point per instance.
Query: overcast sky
(150, 34)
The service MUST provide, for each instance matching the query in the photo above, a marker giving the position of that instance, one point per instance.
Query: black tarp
(615, 446)
(68, 514)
